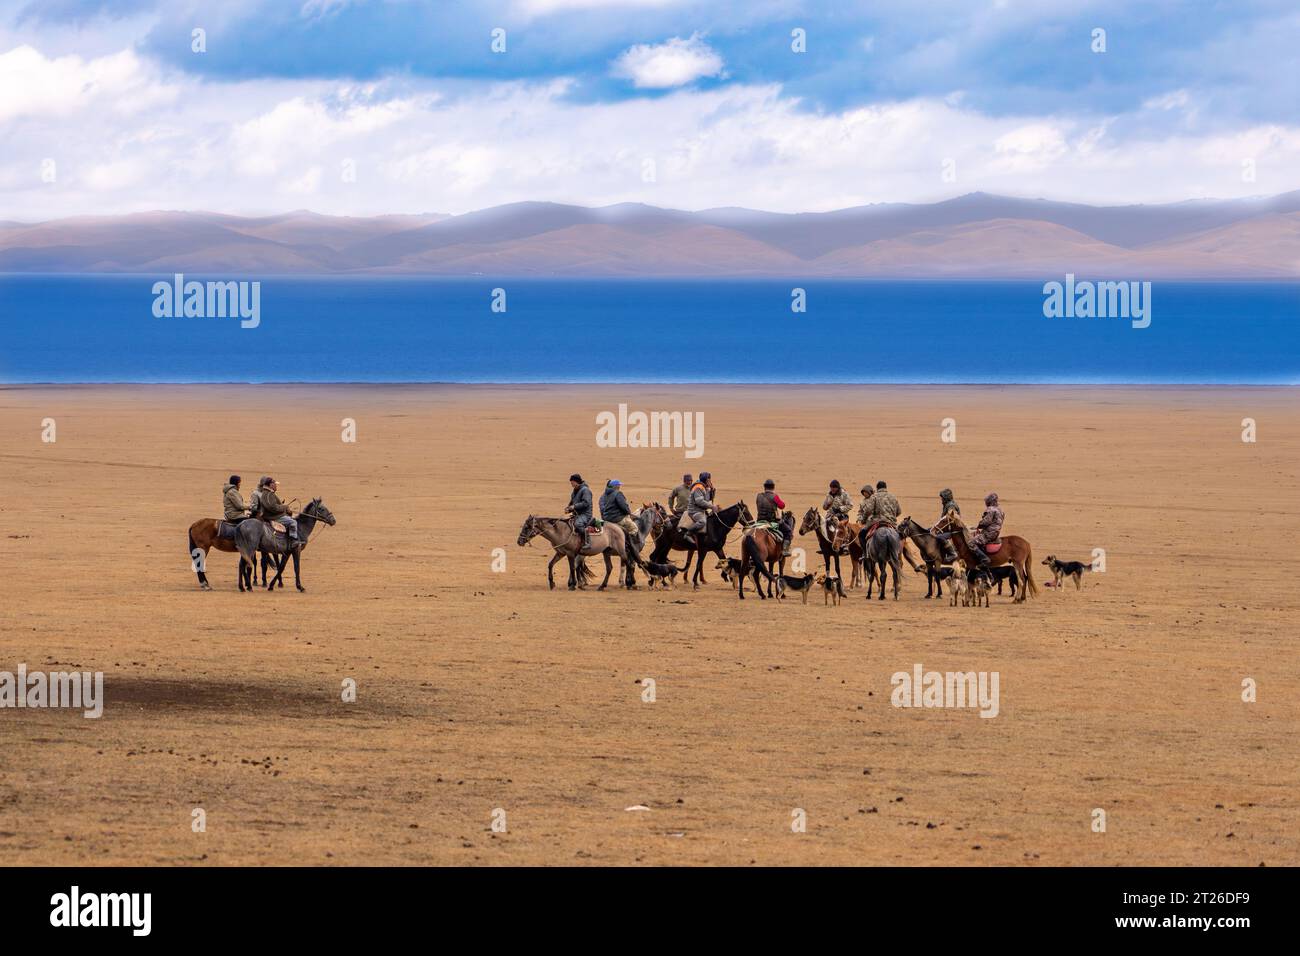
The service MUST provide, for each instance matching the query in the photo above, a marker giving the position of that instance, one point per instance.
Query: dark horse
(812, 521)
(709, 541)
(882, 550)
(931, 553)
(256, 535)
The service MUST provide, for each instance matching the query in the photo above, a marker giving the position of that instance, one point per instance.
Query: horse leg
(297, 579)
(550, 575)
(609, 566)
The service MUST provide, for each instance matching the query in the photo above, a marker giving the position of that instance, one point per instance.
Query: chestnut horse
(759, 552)
(1014, 551)
(203, 536)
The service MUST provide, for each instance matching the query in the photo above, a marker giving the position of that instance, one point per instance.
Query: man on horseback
(233, 502)
(273, 509)
(615, 510)
(884, 510)
(865, 505)
(579, 506)
(698, 505)
(768, 515)
(946, 504)
(679, 496)
(837, 504)
(989, 528)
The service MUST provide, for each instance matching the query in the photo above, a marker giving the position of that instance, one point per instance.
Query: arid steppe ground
(480, 691)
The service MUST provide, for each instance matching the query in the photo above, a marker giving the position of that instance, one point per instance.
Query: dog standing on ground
(730, 568)
(665, 574)
(959, 586)
(832, 589)
(1067, 569)
(801, 583)
(979, 586)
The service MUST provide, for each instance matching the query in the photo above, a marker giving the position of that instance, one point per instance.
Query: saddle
(993, 548)
(276, 527)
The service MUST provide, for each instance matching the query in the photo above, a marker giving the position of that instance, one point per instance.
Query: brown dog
(1067, 569)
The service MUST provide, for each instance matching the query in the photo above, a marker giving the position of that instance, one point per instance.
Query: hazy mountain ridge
(977, 235)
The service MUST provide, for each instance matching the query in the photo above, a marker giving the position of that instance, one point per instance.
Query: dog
(1067, 569)
(979, 584)
(959, 586)
(832, 589)
(801, 583)
(665, 574)
(1005, 572)
(730, 568)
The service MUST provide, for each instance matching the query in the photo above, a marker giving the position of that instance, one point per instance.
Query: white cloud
(417, 146)
(663, 66)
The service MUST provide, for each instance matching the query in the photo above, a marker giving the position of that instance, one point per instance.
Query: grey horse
(884, 550)
(254, 535)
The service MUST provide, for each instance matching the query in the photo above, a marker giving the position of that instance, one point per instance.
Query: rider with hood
(865, 505)
(273, 509)
(989, 528)
(615, 509)
(233, 502)
(579, 504)
(946, 504)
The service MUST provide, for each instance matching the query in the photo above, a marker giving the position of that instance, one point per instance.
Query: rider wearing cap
(273, 509)
(615, 509)
(679, 496)
(768, 513)
(884, 509)
(233, 502)
(698, 505)
(837, 503)
(579, 505)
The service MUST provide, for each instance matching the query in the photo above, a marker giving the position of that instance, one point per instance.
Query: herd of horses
(872, 553)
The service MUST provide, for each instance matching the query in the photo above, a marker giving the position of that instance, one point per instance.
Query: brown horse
(203, 537)
(844, 539)
(1014, 551)
(760, 551)
(560, 534)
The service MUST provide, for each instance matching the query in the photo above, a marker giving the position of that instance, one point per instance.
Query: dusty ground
(481, 690)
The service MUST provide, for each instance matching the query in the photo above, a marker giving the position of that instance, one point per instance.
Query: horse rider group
(614, 508)
(264, 503)
(691, 503)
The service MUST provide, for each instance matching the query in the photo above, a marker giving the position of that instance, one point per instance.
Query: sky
(363, 107)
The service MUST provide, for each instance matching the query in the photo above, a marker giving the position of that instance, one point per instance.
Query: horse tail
(583, 572)
(750, 547)
(1029, 570)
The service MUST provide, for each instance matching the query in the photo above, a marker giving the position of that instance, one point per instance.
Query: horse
(759, 551)
(204, 535)
(931, 553)
(1013, 550)
(884, 551)
(846, 538)
(562, 536)
(256, 535)
(709, 541)
(812, 521)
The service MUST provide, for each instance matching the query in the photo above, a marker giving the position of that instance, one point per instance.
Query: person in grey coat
(579, 504)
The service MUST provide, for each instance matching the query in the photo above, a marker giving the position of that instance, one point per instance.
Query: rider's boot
(949, 553)
(982, 558)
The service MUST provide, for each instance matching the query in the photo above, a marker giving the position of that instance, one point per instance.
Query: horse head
(316, 509)
(745, 516)
(529, 531)
(810, 521)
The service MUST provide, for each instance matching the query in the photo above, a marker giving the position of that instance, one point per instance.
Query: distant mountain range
(972, 236)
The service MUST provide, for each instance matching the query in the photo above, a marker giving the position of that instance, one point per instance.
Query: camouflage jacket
(841, 504)
(990, 525)
(884, 508)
